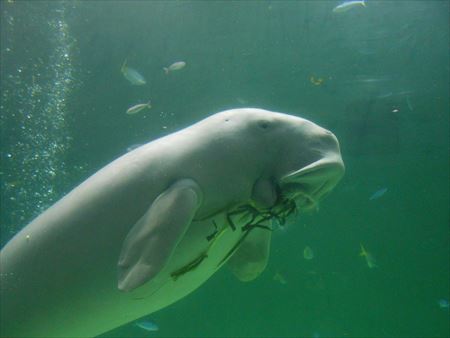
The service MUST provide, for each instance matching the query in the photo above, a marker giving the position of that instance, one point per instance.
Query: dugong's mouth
(300, 190)
(309, 185)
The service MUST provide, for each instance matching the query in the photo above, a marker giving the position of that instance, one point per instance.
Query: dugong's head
(311, 166)
(304, 159)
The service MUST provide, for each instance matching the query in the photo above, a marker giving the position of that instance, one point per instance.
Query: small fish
(132, 75)
(279, 278)
(137, 108)
(308, 254)
(370, 260)
(377, 194)
(175, 66)
(147, 324)
(347, 5)
(443, 303)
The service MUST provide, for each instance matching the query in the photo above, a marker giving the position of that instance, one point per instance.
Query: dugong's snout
(311, 183)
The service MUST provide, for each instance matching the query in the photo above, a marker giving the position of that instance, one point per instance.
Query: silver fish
(175, 66)
(132, 75)
(377, 194)
(137, 108)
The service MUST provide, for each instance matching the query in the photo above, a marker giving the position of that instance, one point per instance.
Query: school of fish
(137, 79)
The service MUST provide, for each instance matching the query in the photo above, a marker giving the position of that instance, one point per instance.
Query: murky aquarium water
(123, 215)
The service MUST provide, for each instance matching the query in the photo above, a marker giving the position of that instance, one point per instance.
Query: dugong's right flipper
(250, 259)
(151, 241)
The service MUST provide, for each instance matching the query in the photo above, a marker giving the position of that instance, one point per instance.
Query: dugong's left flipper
(151, 241)
(250, 259)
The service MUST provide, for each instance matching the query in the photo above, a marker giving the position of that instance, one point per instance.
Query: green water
(377, 76)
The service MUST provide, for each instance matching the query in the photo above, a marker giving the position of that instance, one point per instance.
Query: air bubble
(41, 141)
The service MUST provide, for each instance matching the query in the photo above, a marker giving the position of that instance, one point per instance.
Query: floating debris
(377, 194)
(279, 278)
(132, 75)
(347, 5)
(147, 324)
(308, 254)
(370, 260)
(316, 81)
(175, 66)
(137, 108)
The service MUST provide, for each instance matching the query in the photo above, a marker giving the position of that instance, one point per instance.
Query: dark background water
(384, 93)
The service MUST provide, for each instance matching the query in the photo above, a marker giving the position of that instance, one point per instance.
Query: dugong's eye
(263, 125)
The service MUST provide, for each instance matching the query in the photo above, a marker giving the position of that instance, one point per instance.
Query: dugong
(156, 223)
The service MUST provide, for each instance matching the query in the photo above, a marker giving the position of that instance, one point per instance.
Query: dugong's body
(156, 223)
